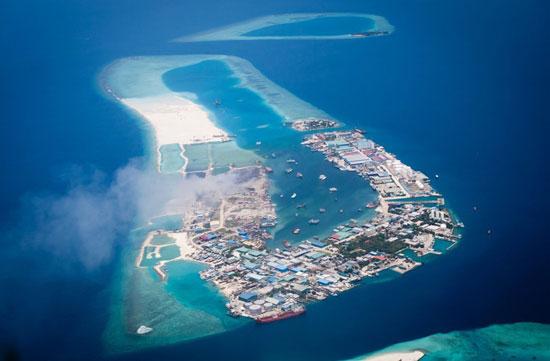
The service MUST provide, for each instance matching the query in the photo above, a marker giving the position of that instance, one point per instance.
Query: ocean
(459, 90)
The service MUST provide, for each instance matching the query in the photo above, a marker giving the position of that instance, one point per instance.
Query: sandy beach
(397, 356)
(175, 119)
(184, 243)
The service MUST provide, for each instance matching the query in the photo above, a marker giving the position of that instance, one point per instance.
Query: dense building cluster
(231, 234)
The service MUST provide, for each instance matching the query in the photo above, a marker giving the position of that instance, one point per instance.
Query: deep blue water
(459, 89)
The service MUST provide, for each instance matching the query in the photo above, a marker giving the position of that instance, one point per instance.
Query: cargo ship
(281, 316)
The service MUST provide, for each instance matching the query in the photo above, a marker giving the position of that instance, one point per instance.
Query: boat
(322, 177)
(273, 155)
(301, 205)
(333, 189)
(281, 195)
(281, 316)
(268, 170)
(341, 211)
(371, 205)
(314, 221)
(322, 210)
(293, 161)
(293, 195)
(217, 102)
(288, 170)
(296, 231)
(286, 244)
(299, 175)
(143, 330)
(258, 143)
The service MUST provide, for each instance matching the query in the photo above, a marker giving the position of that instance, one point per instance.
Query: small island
(307, 124)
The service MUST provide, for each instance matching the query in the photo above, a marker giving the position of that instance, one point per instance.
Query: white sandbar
(175, 119)
(397, 356)
(238, 31)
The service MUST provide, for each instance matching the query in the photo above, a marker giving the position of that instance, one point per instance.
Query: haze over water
(458, 90)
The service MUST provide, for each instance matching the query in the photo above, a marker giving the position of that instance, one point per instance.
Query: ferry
(296, 231)
(281, 316)
(293, 195)
(314, 221)
(333, 189)
(289, 170)
(322, 177)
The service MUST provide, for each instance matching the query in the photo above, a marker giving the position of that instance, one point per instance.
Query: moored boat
(281, 316)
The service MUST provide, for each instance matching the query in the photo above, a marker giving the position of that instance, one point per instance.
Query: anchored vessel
(282, 316)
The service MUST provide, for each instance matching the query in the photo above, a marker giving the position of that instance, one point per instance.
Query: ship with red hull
(281, 316)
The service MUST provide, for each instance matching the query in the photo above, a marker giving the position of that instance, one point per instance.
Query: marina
(232, 235)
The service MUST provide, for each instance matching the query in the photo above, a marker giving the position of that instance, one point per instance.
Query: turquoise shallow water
(520, 341)
(170, 158)
(316, 27)
(259, 129)
(444, 92)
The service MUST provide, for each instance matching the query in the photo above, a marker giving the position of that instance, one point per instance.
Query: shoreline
(415, 355)
(238, 30)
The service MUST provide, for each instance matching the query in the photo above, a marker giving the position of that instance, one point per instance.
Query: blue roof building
(319, 244)
(248, 296)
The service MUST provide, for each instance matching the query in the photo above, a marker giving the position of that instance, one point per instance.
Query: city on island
(230, 235)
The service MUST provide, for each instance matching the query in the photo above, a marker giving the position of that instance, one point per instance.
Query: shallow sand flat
(397, 356)
(184, 243)
(175, 119)
(238, 31)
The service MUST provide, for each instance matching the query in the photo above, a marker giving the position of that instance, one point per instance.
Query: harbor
(232, 234)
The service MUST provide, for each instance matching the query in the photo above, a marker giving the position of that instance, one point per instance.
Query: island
(288, 205)
(266, 284)
(299, 26)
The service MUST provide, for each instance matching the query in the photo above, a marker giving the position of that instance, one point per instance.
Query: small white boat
(142, 330)
(333, 189)
(322, 177)
(258, 143)
(293, 195)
